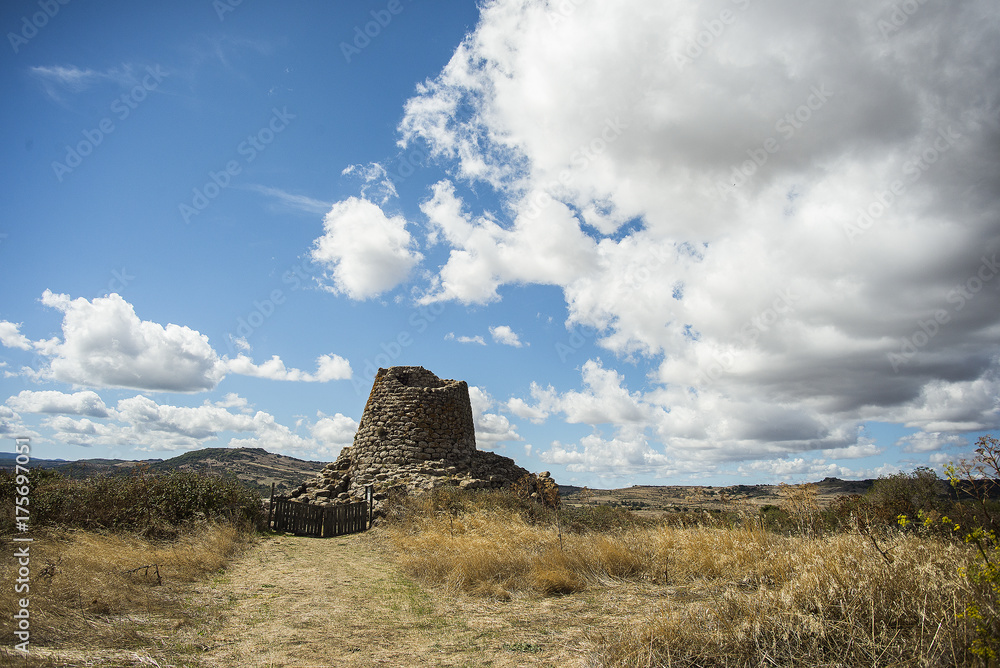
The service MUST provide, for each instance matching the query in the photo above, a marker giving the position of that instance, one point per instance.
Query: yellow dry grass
(82, 593)
(736, 596)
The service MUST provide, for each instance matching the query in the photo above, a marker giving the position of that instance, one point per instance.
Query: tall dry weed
(90, 589)
(737, 596)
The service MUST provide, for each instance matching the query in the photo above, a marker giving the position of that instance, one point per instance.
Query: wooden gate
(321, 521)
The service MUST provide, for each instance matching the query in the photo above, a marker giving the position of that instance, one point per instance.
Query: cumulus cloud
(328, 367)
(930, 442)
(626, 454)
(365, 251)
(333, 433)
(105, 344)
(505, 335)
(50, 401)
(11, 336)
(143, 424)
(798, 232)
(491, 428)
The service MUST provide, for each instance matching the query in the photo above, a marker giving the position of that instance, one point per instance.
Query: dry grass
(83, 595)
(734, 596)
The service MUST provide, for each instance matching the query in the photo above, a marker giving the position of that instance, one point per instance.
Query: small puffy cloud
(50, 401)
(11, 336)
(328, 367)
(365, 251)
(450, 336)
(604, 400)
(491, 428)
(505, 335)
(521, 409)
(333, 433)
(376, 180)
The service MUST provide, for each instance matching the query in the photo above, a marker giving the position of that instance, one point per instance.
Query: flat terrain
(296, 601)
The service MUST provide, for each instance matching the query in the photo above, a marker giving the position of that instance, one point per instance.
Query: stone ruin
(416, 434)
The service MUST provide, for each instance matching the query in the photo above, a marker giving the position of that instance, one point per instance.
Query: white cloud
(929, 442)
(801, 468)
(491, 428)
(849, 275)
(106, 345)
(293, 201)
(50, 401)
(366, 252)
(858, 451)
(11, 336)
(627, 453)
(140, 423)
(604, 400)
(375, 180)
(546, 247)
(521, 409)
(505, 335)
(333, 433)
(328, 367)
(450, 336)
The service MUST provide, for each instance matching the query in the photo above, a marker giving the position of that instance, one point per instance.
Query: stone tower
(416, 435)
(413, 416)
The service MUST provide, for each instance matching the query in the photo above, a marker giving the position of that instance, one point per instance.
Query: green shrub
(152, 504)
(907, 494)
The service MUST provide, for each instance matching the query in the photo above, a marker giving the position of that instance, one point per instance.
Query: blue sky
(719, 241)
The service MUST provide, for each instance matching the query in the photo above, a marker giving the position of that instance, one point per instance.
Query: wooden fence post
(370, 498)
(270, 507)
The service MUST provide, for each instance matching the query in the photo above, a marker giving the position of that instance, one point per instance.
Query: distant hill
(255, 467)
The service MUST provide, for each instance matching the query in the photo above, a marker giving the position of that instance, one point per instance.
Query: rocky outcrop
(416, 435)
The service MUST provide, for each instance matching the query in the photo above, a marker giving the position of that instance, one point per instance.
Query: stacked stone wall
(412, 416)
(417, 434)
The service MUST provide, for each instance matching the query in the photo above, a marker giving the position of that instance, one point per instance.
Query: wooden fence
(321, 521)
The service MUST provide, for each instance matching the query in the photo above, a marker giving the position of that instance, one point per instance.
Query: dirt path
(297, 601)
(341, 602)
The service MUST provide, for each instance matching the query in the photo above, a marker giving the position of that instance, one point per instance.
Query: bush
(907, 494)
(152, 504)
